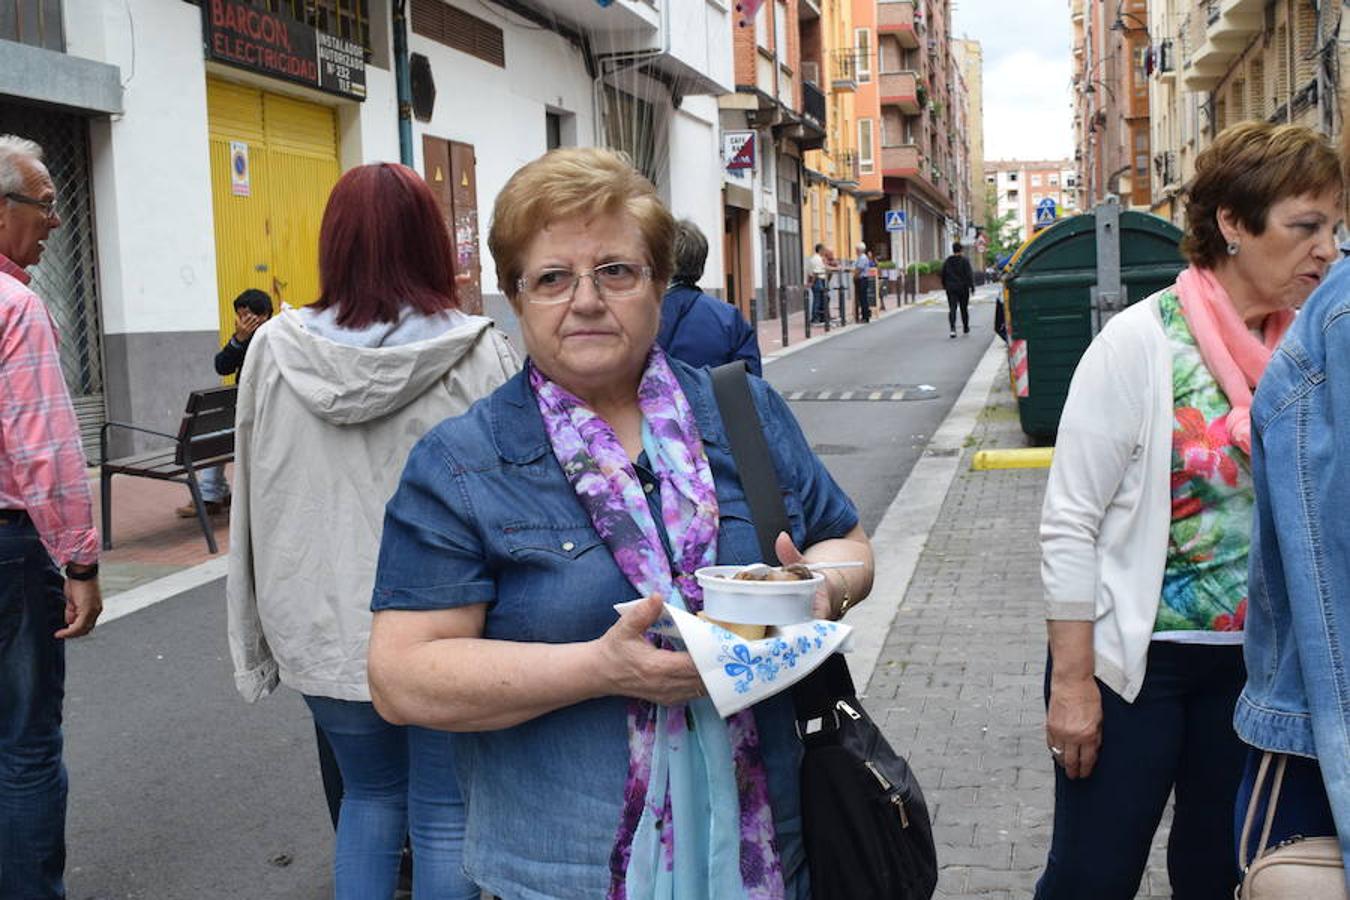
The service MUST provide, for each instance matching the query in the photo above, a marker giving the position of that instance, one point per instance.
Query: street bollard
(842, 288)
(783, 312)
(808, 300)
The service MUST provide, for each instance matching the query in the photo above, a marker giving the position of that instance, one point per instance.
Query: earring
(1233, 248)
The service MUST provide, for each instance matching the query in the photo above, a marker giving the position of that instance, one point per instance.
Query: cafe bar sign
(250, 37)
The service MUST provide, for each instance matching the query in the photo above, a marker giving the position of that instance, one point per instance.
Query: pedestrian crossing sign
(1046, 212)
(896, 220)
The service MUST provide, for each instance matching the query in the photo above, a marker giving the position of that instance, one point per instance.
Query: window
(349, 19)
(762, 27)
(1012, 176)
(552, 131)
(1036, 180)
(865, 153)
(862, 45)
(1054, 181)
(780, 30)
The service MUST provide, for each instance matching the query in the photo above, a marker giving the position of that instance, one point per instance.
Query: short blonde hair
(1249, 168)
(576, 182)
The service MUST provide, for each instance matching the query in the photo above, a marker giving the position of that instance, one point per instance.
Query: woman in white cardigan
(1147, 522)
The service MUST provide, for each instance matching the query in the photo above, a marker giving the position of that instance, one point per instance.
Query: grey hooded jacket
(321, 435)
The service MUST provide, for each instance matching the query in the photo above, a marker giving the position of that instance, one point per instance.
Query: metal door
(267, 221)
(66, 279)
(450, 169)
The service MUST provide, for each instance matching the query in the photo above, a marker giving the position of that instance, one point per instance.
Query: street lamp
(1089, 89)
(1120, 25)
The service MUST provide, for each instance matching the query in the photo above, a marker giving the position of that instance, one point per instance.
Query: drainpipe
(404, 83)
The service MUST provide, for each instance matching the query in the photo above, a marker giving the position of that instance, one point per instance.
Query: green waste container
(1064, 284)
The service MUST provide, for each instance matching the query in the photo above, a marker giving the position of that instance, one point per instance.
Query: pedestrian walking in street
(599, 474)
(819, 274)
(251, 308)
(697, 328)
(862, 282)
(1146, 526)
(49, 590)
(959, 282)
(1296, 701)
(331, 399)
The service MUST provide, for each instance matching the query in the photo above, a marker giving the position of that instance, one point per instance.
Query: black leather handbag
(866, 826)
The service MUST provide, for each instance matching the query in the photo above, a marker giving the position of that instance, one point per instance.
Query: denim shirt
(1297, 698)
(484, 514)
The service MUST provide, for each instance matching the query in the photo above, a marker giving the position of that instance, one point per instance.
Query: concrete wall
(501, 112)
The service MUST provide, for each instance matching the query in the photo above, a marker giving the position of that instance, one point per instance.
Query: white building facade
(194, 145)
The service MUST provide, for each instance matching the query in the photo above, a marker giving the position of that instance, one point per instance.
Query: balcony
(897, 18)
(844, 76)
(813, 103)
(847, 169)
(693, 50)
(901, 89)
(902, 161)
(1219, 31)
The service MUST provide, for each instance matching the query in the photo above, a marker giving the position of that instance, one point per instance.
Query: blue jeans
(1177, 734)
(820, 303)
(397, 781)
(32, 686)
(213, 485)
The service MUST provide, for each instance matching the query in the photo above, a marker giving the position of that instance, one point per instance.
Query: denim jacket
(1297, 698)
(484, 514)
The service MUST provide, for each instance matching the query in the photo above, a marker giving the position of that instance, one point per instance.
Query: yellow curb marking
(1018, 458)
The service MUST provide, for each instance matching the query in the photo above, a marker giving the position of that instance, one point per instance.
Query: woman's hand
(1073, 723)
(638, 669)
(842, 589)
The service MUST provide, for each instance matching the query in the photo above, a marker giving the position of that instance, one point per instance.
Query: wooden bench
(205, 438)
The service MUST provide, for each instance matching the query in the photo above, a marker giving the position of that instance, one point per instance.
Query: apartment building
(1020, 187)
(1213, 64)
(1111, 44)
(969, 56)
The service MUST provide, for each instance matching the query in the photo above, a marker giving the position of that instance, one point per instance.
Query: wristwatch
(88, 574)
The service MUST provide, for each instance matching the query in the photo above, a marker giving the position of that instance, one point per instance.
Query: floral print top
(1204, 595)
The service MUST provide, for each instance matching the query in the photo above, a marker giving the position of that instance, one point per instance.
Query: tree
(1003, 236)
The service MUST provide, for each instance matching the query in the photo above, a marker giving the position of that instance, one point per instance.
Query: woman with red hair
(331, 399)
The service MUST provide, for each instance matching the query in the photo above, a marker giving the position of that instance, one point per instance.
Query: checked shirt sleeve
(40, 452)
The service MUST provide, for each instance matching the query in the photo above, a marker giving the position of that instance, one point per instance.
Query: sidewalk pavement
(958, 685)
(770, 331)
(149, 541)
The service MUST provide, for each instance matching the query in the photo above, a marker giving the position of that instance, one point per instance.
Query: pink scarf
(1232, 354)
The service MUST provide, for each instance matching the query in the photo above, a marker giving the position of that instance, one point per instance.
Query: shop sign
(738, 149)
(252, 38)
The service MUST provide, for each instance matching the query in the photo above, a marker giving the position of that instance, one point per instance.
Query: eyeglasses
(613, 281)
(48, 207)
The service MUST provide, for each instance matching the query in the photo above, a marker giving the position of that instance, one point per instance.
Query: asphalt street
(181, 791)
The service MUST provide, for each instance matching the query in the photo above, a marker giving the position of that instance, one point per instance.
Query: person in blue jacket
(696, 328)
(1297, 698)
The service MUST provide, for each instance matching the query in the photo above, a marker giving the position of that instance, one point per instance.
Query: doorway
(450, 168)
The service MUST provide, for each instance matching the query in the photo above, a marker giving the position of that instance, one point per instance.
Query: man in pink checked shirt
(46, 525)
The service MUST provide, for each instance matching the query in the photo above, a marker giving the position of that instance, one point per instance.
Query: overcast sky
(1026, 75)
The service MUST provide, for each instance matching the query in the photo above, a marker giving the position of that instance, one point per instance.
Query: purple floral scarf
(661, 738)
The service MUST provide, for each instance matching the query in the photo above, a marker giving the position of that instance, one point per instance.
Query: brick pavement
(958, 685)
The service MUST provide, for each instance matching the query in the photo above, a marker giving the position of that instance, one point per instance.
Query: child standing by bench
(251, 308)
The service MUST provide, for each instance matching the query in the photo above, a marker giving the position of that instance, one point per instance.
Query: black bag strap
(754, 463)
(816, 694)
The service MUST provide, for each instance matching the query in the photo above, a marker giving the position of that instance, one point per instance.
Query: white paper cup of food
(755, 602)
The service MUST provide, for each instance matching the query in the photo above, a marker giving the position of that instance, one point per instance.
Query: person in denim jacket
(592, 762)
(1297, 698)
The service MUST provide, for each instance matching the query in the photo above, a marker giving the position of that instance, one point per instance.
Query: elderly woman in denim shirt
(600, 474)
(1297, 698)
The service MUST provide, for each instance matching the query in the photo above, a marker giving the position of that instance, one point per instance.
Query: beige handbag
(1299, 868)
